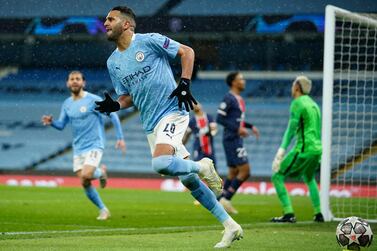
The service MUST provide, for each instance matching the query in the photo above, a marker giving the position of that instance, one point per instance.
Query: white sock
(230, 223)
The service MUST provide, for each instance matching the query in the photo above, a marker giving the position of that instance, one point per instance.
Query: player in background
(231, 115)
(141, 74)
(304, 158)
(88, 137)
(204, 128)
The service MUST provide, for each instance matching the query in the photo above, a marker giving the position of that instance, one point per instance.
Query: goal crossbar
(363, 20)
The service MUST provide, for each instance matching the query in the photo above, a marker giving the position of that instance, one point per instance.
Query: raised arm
(187, 56)
(58, 124)
(182, 92)
(165, 46)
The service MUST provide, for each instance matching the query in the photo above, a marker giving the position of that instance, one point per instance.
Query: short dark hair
(76, 72)
(231, 77)
(126, 11)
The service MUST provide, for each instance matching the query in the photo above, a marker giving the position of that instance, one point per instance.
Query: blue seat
(23, 141)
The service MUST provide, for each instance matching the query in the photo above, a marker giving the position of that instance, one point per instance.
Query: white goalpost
(349, 124)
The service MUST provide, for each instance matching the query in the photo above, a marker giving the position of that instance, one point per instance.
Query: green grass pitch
(63, 219)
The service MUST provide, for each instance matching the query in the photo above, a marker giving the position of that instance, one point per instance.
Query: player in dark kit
(231, 114)
(204, 128)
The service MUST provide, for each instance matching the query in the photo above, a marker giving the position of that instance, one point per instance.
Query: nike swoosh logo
(171, 137)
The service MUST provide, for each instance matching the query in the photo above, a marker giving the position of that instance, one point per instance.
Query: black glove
(184, 95)
(108, 105)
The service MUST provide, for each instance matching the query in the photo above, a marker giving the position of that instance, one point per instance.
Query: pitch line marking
(208, 227)
(52, 224)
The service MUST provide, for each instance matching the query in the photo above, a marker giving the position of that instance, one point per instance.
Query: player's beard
(75, 90)
(116, 32)
(241, 88)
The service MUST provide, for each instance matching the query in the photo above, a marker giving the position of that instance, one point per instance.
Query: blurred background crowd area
(227, 35)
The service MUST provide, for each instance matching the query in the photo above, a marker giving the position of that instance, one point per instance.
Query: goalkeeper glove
(108, 105)
(277, 161)
(183, 93)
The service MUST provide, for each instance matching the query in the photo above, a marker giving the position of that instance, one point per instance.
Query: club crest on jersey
(83, 109)
(139, 56)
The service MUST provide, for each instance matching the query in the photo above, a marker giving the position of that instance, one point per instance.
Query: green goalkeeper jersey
(305, 123)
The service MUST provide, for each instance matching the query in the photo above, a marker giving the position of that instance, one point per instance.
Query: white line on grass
(175, 228)
(49, 224)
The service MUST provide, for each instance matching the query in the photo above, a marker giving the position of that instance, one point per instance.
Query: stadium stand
(23, 139)
(29, 93)
(37, 81)
(28, 8)
(244, 7)
(22, 134)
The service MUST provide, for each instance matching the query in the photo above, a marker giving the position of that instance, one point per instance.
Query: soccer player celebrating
(88, 137)
(231, 114)
(303, 159)
(141, 76)
(204, 129)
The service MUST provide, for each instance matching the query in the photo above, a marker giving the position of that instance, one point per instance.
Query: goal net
(349, 125)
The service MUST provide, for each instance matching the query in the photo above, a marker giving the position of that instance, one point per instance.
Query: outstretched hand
(108, 105)
(183, 93)
(46, 120)
(121, 145)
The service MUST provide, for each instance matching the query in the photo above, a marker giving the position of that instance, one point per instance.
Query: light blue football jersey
(143, 72)
(87, 124)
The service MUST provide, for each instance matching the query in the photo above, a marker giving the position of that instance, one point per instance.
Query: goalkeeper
(303, 160)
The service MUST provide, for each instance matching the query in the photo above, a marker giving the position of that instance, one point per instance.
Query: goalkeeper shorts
(295, 164)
